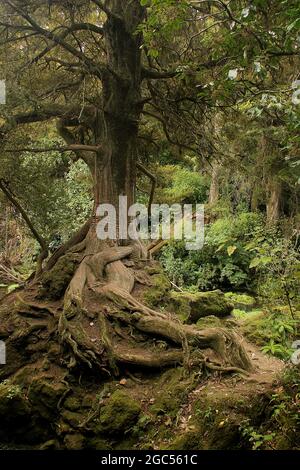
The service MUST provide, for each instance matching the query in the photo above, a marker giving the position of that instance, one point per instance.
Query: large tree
(93, 67)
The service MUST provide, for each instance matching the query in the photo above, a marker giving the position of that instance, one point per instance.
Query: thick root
(103, 277)
(149, 359)
(226, 344)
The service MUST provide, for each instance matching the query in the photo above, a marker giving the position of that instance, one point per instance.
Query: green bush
(177, 184)
(223, 263)
(240, 253)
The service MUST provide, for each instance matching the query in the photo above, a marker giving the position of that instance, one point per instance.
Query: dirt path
(216, 408)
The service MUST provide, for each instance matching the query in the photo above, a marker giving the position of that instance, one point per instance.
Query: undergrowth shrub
(223, 262)
(240, 253)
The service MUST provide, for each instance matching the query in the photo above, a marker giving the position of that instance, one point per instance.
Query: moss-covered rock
(72, 403)
(73, 418)
(74, 441)
(18, 422)
(153, 267)
(175, 388)
(44, 395)
(55, 282)
(159, 291)
(14, 410)
(190, 307)
(97, 443)
(210, 322)
(119, 414)
(190, 440)
(243, 302)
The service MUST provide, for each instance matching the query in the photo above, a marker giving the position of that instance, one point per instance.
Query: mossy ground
(55, 282)
(164, 410)
(158, 293)
(55, 408)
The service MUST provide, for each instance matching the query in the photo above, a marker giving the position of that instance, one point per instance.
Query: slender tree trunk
(254, 199)
(274, 201)
(214, 186)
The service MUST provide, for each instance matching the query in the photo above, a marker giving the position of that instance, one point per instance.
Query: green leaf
(266, 260)
(254, 263)
(153, 53)
(220, 248)
(231, 250)
(269, 437)
(250, 246)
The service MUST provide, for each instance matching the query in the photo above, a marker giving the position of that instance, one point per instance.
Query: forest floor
(45, 406)
(222, 402)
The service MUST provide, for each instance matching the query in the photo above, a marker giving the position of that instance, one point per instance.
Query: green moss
(215, 423)
(127, 444)
(174, 391)
(237, 313)
(12, 400)
(119, 414)
(15, 412)
(190, 307)
(257, 327)
(159, 291)
(44, 395)
(73, 418)
(55, 282)
(191, 440)
(240, 298)
(242, 302)
(227, 436)
(72, 403)
(153, 269)
(97, 443)
(210, 322)
(74, 441)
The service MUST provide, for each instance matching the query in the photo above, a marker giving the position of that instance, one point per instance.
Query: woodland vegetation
(132, 345)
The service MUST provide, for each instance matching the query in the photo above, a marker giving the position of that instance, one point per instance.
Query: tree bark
(117, 126)
(274, 201)
(214, 186)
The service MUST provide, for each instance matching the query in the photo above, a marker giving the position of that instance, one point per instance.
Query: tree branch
(167, 134)
(69, 30)
(69, 148)
(106, 10)
(42, 242)
(59, 40)
(155, 75)
(53, 111)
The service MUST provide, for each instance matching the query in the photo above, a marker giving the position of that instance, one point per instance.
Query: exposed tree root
(103, 323)
(147, 359)
(103, 277)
